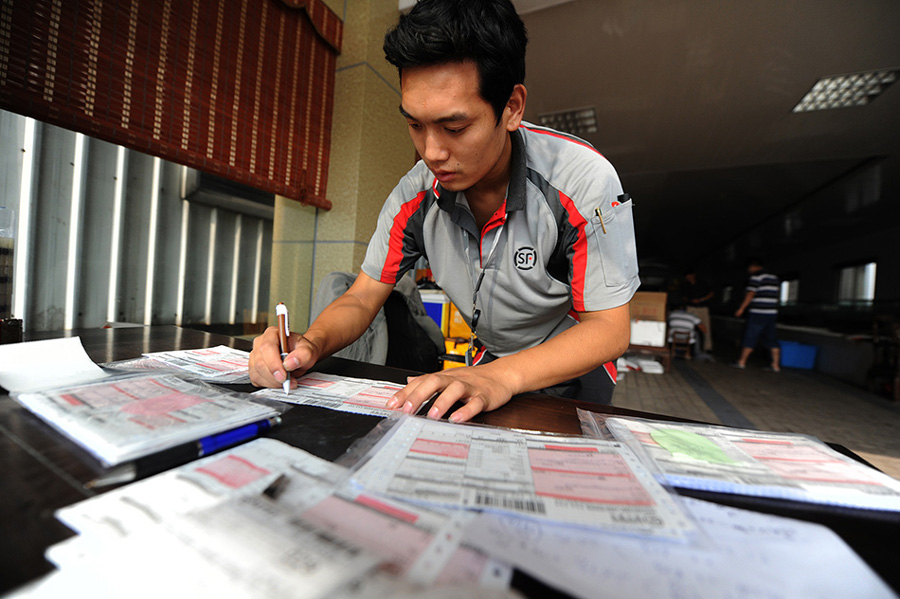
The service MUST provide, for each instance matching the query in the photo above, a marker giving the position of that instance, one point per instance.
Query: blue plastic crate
(437, 306)
(798, 355)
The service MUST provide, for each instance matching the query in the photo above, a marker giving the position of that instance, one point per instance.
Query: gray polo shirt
(545, 253)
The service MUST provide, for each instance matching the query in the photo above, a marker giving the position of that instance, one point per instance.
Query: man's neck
(487, 196)
(484, 205)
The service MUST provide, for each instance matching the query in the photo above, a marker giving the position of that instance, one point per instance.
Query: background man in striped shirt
(761, 305)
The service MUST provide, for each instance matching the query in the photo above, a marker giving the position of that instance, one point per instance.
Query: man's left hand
(474, 386)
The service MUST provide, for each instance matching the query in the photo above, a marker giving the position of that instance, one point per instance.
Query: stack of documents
(749, 462)
(422, 508)
(267, 519)
(557, 507)
(264, 520)
(122, 418)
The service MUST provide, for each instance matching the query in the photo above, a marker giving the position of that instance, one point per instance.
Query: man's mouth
(444, 176)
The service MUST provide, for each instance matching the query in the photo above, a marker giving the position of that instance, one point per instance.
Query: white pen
(284, 332)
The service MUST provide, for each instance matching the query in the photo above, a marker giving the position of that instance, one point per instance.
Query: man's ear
(515, 107)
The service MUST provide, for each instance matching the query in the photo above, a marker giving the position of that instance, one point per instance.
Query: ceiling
(695, 98)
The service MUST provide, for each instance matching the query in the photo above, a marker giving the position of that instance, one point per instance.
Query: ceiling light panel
(843, 91)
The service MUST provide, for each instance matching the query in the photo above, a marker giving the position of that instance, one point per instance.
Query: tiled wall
(370, 152)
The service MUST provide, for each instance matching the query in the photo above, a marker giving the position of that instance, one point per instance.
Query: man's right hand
(266, 367)
(337, 326)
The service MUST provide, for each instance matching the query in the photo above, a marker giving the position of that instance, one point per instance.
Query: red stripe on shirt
(612, 371)
(395, 242)
(561, 136)
(579, 260)
(498, 219)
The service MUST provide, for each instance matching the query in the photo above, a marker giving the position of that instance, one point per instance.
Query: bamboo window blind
(239, 88)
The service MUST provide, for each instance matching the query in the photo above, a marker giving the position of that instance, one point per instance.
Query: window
(789, 291)
(857, 284)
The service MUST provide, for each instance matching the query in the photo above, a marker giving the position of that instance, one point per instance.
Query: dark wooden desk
(40, 471)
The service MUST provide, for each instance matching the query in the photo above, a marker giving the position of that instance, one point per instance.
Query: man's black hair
(487, 32)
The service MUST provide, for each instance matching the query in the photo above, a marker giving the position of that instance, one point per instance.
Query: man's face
(453, 128)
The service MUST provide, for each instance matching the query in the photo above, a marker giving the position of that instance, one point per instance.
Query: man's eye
(455, 131)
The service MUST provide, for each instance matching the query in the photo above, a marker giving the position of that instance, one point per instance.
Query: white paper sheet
(35, 365)
(752, 556)
(244, 470)
(241, 549)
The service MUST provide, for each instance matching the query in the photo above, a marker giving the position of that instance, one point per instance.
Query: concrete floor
(797, 401)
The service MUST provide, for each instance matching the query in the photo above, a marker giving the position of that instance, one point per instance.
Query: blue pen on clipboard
(182, 454)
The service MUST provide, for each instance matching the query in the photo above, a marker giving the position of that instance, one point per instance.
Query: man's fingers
(265, 359)
(460, 385)
(455, 391)
(399, 398)
(472, 408)
(266, 366)
(417, 391)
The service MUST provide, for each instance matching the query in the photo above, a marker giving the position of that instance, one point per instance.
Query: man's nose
(435, 151)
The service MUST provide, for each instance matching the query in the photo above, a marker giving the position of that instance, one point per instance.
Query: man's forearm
(597, 339)
(339, 325)
(747, 299)
(345, 319)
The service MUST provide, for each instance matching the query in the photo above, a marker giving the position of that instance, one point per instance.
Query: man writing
(526, 229)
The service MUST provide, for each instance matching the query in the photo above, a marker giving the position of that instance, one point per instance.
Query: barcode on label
(510, 503)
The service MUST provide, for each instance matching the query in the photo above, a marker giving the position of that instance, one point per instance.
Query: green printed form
(690, 444)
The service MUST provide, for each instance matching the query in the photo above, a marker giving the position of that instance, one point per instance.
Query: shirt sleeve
(753, 284)
(397, 244)
(611, 265)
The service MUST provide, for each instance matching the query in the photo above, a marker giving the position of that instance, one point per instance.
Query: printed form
(120, 419)
(221, 364)
(749, 462)
(575, 480)
(746, 556)
(244, 547)
(422, 546)
(346, 394)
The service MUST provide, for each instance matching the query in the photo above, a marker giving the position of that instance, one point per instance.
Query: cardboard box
(648, 318)
(648, 332)
(648, 305)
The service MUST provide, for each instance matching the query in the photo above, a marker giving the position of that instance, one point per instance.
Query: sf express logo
(525, 258)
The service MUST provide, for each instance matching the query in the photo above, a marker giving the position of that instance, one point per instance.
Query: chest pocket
(614, 238)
